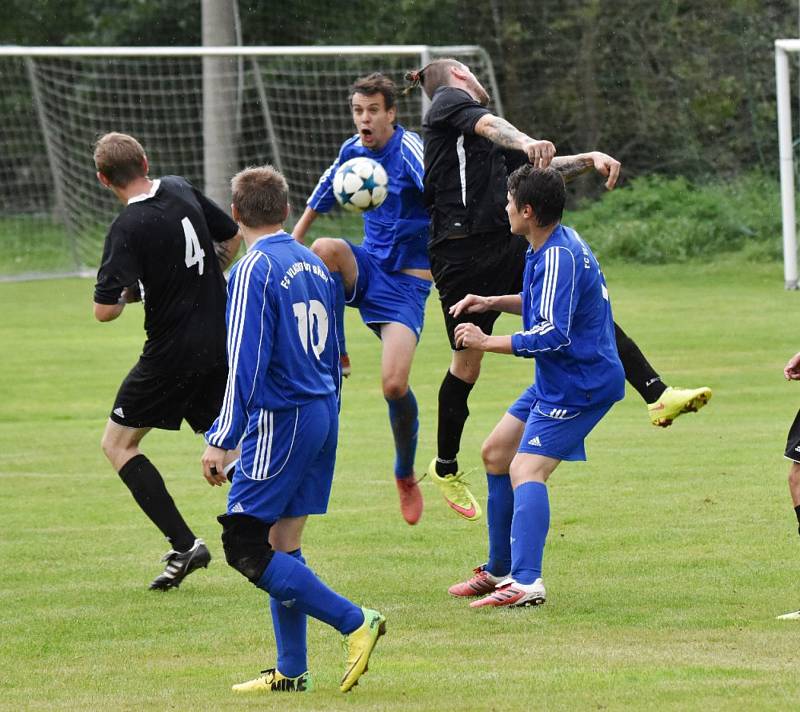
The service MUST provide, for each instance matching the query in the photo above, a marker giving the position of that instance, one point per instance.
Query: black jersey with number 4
(465, 174)
(165, 239)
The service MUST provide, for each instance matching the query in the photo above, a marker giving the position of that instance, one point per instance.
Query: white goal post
(786, 157)
(284, 105)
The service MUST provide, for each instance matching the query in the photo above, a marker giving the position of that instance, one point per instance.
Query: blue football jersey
(568, 326)
(396, 232)
(282, 346)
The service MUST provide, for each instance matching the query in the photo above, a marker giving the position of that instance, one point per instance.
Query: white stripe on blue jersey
(237, 310)
(568, 326)
(272, 365)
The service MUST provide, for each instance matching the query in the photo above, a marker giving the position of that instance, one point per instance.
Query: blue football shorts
(383, 297)
(552, 430)
(287, 460)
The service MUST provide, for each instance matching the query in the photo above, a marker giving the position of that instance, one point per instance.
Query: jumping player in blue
(388, 276)
(568, 328)
(281, 404)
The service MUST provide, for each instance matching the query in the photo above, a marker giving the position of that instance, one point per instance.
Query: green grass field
(670, 553)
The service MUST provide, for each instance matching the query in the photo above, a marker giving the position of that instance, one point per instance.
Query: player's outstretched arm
(475, 304)
(301, 228)
(470, 336)
(571, 167)
(792, 368)
(540, 152)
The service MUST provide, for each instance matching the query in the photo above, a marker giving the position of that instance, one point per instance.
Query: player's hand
(607, 166)
(792, 368)
(131, 294)
(469, 336)
(540, 153)
(471, 304)
(213, 461)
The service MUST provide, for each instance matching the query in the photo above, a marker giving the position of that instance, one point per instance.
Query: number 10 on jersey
(312, 325)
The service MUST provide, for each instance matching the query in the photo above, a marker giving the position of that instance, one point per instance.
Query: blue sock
(405, 424)
(286, 578)
(289, 624)
(529, 531)
(499, 512)
(338, 311)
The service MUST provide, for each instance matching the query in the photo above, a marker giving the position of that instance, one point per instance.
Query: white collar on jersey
(263, 237)
(144, 196)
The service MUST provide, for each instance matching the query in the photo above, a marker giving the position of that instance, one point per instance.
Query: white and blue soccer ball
(360, 184)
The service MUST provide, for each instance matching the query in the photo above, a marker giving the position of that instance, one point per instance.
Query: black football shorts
(486, 264)
(793, 440)
(149, 398)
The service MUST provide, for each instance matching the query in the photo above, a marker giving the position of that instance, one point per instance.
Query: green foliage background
(667, 87)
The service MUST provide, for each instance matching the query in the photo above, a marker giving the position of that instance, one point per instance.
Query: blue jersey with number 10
(282, 346)
(396, 232)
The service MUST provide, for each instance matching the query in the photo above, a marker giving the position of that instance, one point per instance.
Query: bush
(656, 220)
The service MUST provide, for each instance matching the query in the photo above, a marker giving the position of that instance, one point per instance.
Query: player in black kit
(469, 153)
(168, 246)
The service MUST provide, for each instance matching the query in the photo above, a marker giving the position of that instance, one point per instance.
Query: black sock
(148, 489)
(797, 512)
(638, 372)
(453, 413)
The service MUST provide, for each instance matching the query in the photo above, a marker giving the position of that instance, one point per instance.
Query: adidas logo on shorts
(118, 412)
(535, 442)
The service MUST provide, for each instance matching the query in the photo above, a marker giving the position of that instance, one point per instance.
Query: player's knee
(495, 458)
(111, 449)
(245, 541)
(465, 368)
(394, 387)
(327, 249)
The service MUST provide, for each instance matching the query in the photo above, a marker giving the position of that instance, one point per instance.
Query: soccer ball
(360, 184)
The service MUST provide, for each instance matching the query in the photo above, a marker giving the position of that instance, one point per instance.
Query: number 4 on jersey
(194, 253)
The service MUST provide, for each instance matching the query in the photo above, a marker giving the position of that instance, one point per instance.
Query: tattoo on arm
(226, 251)
(502, 133)
(570, 167)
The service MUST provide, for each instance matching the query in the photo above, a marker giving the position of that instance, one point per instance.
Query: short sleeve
(120, 266)
(454, 108)
(221, 226)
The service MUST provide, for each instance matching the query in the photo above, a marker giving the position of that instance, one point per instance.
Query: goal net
(199, 112)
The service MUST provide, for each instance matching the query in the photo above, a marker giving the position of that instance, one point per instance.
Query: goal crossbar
(202, 112)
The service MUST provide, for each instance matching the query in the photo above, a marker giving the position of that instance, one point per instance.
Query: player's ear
(145, 165)
(234, 213)
(103, 180)
(286, 213)
(392, 114)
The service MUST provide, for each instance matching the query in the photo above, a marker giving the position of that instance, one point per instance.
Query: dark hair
(433, 75)
(541, 188)
(375, 83)
(120, 158)
(260, 195)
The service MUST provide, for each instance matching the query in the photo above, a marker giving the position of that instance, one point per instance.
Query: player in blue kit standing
(568, 328)
(388, 276)
(281, 404)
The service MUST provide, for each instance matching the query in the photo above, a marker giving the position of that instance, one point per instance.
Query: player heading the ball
(387, 277)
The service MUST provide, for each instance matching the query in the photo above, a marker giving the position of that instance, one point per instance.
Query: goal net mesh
(291, 111)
